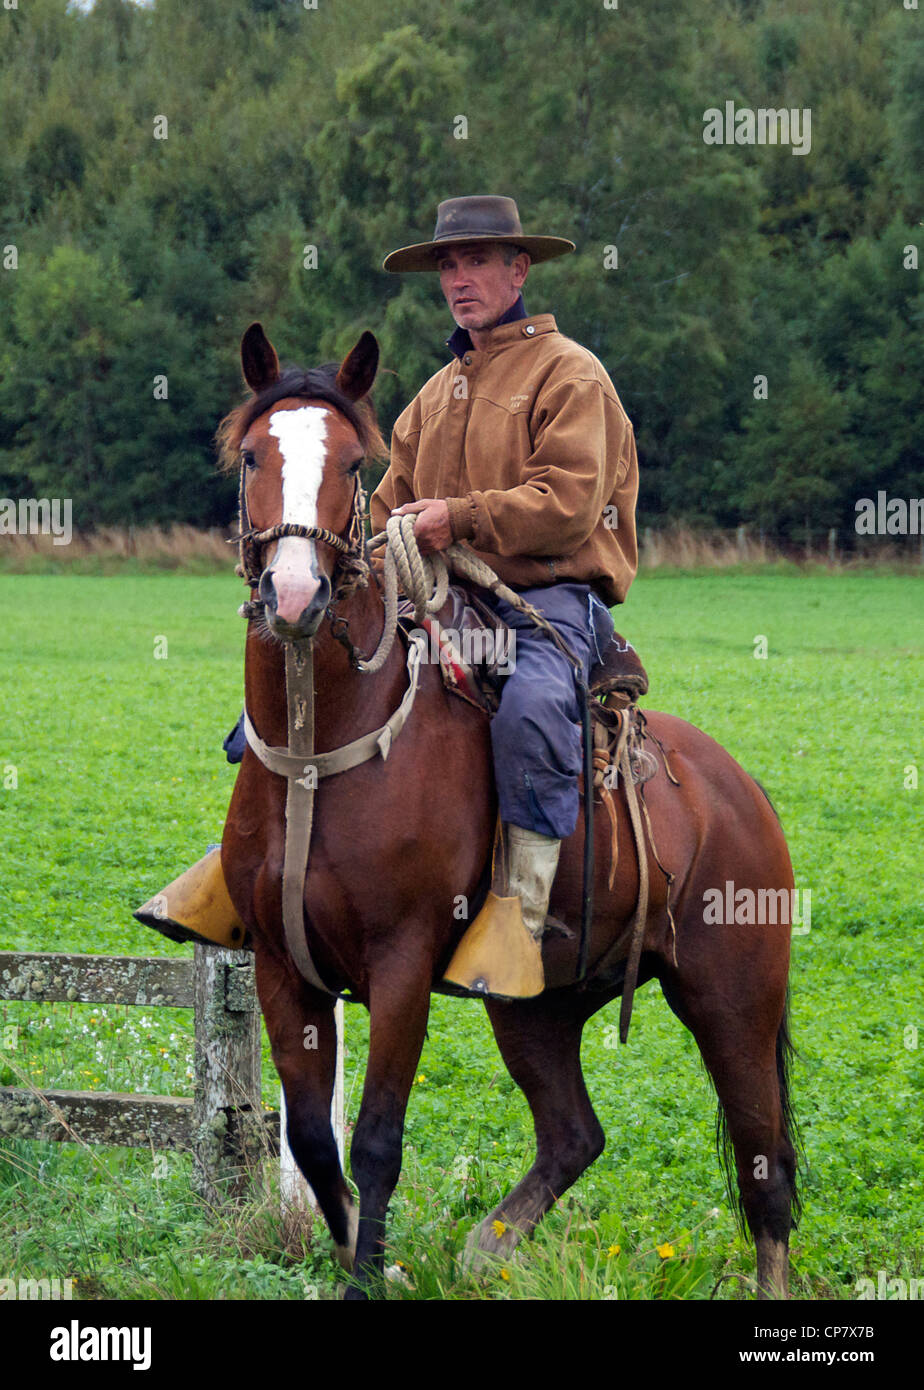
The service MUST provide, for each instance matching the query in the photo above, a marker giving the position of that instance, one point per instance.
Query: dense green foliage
(336, 128)
(120, 782)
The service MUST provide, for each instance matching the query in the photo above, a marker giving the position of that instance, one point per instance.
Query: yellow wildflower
(505, 1273)
(665, 1251)
(499, 1228)
(614, 1250)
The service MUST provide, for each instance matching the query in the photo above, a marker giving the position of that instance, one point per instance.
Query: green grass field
(112, 779)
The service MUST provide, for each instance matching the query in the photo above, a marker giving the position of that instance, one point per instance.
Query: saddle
(471, 644)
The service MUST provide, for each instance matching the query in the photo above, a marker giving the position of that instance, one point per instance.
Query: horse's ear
(258, 359)
(358, 368)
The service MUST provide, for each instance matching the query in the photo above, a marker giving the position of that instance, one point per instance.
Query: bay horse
(396, 841)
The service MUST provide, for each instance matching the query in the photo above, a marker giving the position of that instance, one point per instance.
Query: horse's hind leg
(540, 1042)
(743, 1039)
(303, 1034)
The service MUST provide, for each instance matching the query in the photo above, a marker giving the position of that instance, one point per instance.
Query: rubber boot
(533, 864)
(500, 954)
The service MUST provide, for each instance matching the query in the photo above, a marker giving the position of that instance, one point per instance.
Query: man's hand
(432, 531)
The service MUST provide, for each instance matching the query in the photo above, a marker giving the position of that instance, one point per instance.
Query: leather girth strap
(302, 768)
(628, 946)
(637, 929)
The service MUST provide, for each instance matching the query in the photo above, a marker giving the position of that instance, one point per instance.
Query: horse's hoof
(484, 1246)
(396, 1275)
(346, 1254)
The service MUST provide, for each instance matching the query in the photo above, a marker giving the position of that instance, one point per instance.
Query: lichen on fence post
(228, 1115)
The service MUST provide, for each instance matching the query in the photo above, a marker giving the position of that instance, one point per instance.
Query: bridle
(351, 571)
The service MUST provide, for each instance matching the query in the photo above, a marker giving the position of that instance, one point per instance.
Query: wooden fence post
(227, 1116)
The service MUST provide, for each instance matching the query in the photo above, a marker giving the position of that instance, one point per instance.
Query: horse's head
(299, 442)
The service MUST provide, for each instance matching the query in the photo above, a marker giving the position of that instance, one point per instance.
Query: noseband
(251, 541)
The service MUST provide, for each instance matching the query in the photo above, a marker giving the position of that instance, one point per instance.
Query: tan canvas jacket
(529, 443)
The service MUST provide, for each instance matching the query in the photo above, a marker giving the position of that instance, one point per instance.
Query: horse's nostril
(267, 589)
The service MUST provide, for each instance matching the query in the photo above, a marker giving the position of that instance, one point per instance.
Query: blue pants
(536, 732)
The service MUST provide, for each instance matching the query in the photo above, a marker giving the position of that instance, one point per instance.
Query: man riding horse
(517, 451)
(520, 448)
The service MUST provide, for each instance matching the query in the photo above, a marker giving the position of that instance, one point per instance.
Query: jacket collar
(504, 335)
(461, 341)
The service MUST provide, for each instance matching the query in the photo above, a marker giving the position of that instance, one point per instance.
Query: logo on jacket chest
(517, 402)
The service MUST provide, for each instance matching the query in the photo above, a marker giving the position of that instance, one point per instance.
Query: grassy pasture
(112, 779)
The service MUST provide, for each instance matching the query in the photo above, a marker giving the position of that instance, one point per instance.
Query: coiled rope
(424, 580)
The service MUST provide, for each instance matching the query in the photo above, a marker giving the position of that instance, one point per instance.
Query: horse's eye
(248, 459)
(355, 466)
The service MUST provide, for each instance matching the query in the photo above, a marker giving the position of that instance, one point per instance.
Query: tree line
(170, 172)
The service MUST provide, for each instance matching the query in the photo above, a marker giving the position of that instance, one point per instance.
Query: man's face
(478, 286)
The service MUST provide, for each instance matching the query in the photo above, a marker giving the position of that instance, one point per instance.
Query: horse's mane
(314, 383)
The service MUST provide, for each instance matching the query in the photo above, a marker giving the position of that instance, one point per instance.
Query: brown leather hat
(484, 218)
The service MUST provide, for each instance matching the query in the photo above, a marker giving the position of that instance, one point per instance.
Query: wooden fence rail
(223, 1125)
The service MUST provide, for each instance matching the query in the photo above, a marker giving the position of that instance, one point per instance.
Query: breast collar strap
(302, 768)
(299, 766)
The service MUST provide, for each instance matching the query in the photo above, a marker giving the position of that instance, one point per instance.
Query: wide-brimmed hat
(484, 218)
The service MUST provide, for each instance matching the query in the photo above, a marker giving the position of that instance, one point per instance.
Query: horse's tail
(793, 1157)
(785, 1052)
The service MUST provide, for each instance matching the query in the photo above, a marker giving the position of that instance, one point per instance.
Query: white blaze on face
(301, 434)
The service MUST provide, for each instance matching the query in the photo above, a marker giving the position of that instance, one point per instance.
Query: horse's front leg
(303, 1035)
(399, 1004)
